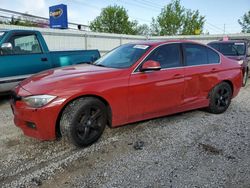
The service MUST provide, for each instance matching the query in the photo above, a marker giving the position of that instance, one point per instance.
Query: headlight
(38, 101)
(240, 62)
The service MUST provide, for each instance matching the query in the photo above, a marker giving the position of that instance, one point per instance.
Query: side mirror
(6, 46)
(150, 65)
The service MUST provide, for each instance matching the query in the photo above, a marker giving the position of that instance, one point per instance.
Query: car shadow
(4, 99)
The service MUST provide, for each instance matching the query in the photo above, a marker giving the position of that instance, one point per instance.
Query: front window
(123, 56)
(167, 55)
(25, 44)
(230, 48)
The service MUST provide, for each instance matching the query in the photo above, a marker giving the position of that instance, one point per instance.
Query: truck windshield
(230, 48)
(122, 57)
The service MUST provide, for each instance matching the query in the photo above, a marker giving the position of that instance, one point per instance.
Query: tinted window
(25, 44)
(167, 55)
(230, 48)
(213, 57)
(123, 56)
(215, 46)
(195, 54)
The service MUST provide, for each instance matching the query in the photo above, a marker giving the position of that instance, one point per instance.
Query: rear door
(24, 59)
(201, 71)
(156, 93)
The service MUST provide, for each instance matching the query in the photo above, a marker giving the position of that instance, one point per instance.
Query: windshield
(230, 48)
(1, 34)
(122, 57)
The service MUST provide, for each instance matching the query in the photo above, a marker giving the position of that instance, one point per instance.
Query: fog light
(31, 125)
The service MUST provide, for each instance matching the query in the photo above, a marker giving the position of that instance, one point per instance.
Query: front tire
(83, 121)
(220, 98)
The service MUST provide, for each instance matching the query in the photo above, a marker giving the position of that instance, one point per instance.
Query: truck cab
(25, 52)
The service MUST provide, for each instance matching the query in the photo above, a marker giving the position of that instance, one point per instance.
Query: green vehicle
(24, 53)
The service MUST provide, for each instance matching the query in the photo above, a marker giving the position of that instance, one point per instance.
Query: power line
(149, 4)
(139, 5)
(11, 12)
(218, 28)
(98, 8)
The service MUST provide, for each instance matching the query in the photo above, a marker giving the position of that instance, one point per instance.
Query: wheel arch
(57, 126)
(231, 85)
(226, 81)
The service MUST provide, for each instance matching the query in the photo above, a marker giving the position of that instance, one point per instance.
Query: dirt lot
(192, 149)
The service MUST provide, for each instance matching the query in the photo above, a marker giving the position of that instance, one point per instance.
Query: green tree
(245, 22)
(174, 19)
(23, 21)
(143, 30)
(192, 23)
(114, 19)
(155, 27)
(170, 18)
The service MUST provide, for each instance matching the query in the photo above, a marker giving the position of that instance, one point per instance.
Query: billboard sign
(58, 16)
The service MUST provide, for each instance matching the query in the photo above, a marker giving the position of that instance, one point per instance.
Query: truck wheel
(245, 78)
(83, 121)
(220, 98)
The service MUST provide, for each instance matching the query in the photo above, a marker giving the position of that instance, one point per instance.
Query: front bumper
(38, 123)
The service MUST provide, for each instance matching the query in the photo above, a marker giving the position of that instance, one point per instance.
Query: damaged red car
(131, 83)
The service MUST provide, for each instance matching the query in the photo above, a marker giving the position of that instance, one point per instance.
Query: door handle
(44, 59)
(214, 70)
(178, 76)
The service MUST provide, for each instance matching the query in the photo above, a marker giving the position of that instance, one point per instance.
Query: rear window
(213, 57)
(230, 48)
(196, 54)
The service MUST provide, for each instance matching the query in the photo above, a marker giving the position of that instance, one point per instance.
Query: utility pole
(224, 29)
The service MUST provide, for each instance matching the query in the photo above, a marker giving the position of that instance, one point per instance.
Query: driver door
(159, 92)
(25, 58)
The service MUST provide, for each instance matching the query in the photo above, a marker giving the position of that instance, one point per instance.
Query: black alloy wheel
(220, 98)
(84, 121)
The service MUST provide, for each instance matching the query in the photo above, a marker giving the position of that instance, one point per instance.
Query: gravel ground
(191, 149)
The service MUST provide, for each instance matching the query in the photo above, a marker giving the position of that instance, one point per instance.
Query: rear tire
(220, 98)
(83, 121)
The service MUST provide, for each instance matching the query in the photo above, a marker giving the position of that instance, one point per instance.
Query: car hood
(55, 79)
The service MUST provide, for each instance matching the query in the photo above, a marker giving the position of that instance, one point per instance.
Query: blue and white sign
(58, 16)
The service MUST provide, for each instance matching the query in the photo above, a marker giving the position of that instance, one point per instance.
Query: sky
(219, 14)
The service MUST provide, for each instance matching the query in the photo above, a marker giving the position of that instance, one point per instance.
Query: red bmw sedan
(131, 83)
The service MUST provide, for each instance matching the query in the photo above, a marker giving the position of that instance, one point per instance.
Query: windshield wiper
(93, 63)
(99, 65)
(90, 63)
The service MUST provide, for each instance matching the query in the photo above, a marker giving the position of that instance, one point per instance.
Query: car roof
(159, 42)
(228, 41)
